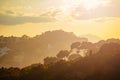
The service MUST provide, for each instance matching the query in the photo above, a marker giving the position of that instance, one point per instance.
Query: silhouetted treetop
(102, 65)
(63, 54)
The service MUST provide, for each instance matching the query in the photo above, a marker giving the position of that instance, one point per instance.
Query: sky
(33, 17)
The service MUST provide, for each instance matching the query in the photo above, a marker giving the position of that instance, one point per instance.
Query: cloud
(104, 19)
(15, 20)
(78, 12)
(52, 12)
(110, 10)
(9, 12)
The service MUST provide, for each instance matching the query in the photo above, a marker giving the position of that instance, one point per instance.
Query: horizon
(90, 37)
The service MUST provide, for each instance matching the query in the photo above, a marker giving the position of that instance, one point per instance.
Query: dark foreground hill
(102, 64)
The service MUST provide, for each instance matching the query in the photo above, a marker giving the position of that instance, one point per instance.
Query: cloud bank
(14, 20)
(110, 10)
(77, 12)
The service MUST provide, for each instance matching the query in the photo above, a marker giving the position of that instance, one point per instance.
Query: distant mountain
(25, 50)
(92, 38)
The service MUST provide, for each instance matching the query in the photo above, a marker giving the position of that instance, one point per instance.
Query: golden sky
(32, 17)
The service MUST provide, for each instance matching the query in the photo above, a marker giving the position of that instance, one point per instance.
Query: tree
(25, 37)
(62, 54)
(74, 56)
(75, 45)
(50, 60)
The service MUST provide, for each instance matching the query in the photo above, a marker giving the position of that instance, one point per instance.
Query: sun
(76, 8)
(91, 4)
(87, 4)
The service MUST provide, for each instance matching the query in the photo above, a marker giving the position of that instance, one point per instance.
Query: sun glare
(88, 4)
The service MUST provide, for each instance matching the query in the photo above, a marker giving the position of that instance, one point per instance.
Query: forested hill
(25, 50)
(100, 62)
